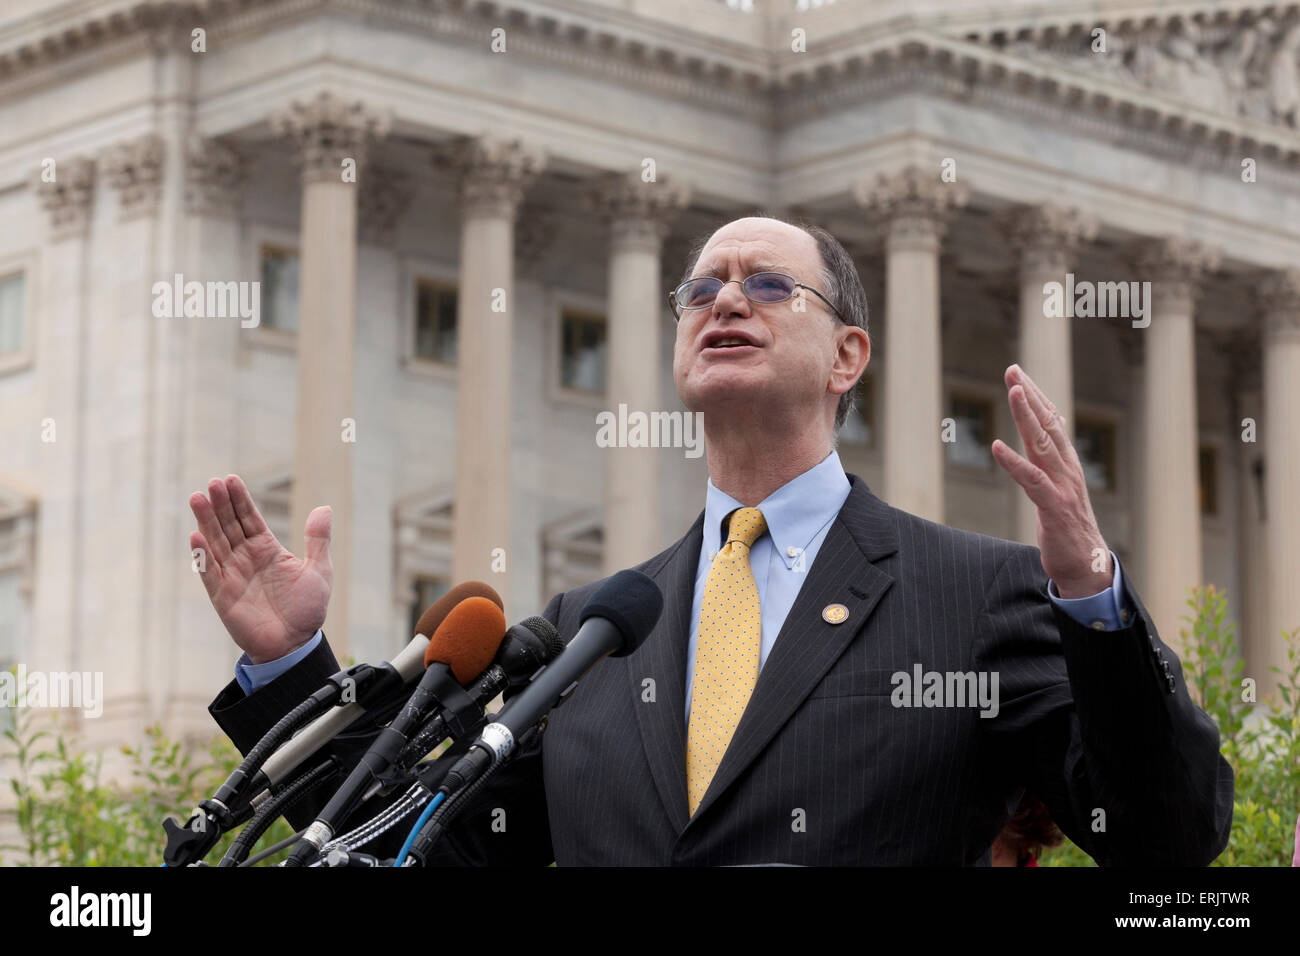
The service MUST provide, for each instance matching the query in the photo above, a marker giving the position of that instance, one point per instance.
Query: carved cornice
(915, 204)
(616, 45)
(491, 172)
(1046, 236)
(70, 197)
(329, 131)
(135, 170)
(639, 213)
(215, 173)
(1244, 64)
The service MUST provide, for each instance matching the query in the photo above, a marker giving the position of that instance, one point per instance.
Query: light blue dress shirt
(799, 516)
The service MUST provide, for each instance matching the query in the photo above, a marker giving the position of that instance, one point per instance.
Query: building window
(859, 427)
(1095, 443)
(582, 351)
(12, 326)
(972, 433)
(1208, 462)
(280, 288)
(435, 321)
(427, 590)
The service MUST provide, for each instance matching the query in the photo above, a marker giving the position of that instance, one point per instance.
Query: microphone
(408, 664)
(462, 647)
(263, 770)
(527, 647)
(615, 621)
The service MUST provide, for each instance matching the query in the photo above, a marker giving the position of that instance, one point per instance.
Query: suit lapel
(662, 658)
(807, 646)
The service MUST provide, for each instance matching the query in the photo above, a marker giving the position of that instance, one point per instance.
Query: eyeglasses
(762, 287)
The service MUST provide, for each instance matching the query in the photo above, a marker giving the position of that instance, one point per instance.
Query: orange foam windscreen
(468, 638)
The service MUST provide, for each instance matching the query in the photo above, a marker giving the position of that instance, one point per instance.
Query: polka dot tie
(726, 653)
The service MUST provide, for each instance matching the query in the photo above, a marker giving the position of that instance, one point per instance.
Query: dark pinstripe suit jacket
(823, 768)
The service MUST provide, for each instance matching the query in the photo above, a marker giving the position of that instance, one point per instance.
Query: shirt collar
(795, 512)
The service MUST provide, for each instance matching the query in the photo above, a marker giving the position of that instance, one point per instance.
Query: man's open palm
(269, 600)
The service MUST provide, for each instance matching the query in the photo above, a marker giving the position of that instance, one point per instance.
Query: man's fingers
(316, 538)
(225, 512)
(210, 527)
(1048, 417)
(250, 519)
(1027, 475)
(209, 569)
(1039, 444)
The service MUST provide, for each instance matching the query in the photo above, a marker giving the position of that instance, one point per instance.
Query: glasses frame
(679, 309)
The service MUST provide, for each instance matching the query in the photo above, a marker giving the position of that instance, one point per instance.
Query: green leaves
(1260, 740)
(67, 816)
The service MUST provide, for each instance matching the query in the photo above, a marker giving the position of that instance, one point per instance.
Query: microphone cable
(271, 809)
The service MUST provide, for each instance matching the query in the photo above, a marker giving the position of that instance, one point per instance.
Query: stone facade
(541, 160)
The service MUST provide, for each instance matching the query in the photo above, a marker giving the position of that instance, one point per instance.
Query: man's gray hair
(840, 282)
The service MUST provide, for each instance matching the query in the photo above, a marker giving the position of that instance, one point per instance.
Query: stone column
(638, 214)
(1248, 601)
(492, 175)
(68, 198)
(332, 137)
(214, 178)
(1281, 306)
(1133, 345)
(1046, 238)
(1172, 517)
(914, 207)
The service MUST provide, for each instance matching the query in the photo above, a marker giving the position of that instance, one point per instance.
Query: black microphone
(463, 646)
(527, 647)
(614, 622)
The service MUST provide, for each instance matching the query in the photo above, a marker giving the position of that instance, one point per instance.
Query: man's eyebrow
(719, 271)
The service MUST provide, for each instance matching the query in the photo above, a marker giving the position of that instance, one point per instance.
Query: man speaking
(832, 681)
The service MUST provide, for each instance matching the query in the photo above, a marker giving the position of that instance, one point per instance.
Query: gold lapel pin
(835, 614)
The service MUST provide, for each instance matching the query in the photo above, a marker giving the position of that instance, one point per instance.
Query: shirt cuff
(1101, 611)
(252, 676)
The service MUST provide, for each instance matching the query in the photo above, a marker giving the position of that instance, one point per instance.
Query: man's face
(786, 357)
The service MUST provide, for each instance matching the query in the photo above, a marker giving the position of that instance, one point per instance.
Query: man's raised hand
(269, 600)
(1068, 537)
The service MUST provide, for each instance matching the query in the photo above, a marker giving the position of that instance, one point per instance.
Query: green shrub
(67, 817)
(1260, 740)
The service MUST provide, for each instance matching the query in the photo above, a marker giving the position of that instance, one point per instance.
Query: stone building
(461, 219)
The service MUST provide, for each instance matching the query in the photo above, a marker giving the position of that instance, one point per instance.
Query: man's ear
(852, 355)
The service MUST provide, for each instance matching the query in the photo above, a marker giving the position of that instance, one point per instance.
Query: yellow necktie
(726, 653)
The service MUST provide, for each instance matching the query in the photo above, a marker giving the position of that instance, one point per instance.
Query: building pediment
(1245, 64)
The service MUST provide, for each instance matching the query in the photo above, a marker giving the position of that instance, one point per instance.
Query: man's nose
(731, 299)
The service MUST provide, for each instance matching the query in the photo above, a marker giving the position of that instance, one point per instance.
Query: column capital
(135, 170)
(914, 203)
(1279, 303)
(329, 130)
(1046, 236)
(639, 213)
(69, 196)
(1177, 265)
(492, 172)
(385, 194)
(214, 178)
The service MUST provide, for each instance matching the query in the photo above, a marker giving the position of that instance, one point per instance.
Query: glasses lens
(769, 287)
(698, 293)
